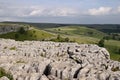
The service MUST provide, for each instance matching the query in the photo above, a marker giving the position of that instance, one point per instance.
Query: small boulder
(4, 78)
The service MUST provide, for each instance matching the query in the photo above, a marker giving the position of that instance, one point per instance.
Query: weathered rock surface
(4, 78)
(6, 28)
(35, 60)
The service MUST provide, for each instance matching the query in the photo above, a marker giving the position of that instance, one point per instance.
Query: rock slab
(35, 60)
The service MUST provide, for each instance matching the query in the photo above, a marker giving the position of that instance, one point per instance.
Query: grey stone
(4, 78)
(35, 60)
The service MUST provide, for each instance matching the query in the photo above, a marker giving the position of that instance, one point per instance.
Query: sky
(61, 11)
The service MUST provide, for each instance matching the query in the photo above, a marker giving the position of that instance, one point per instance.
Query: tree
(21, 30)
(34, 31)
(67, 39)
(101, 43)
(90, 33)
(35, 36)
(118, 50)
(43, 39)
(59, 29)
(106, 37)
(58, 37)
(16, 36)
(42, 34)
(3, 28)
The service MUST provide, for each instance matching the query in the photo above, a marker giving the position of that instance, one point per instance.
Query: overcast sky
(61, 11)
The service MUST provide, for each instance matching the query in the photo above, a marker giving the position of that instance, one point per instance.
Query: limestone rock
(43, 77)
(4, 78)
(35, 60)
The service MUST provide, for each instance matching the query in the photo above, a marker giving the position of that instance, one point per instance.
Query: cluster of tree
(23, 31)
(20, 31)
(114, 36)
(61, 39)
(101, 43)
(118, 50)
(90, 33)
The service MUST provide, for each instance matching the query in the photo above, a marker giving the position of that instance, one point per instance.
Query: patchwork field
(77, 30)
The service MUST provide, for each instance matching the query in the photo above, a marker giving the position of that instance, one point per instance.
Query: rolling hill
(77, 30)
(106, 28)
(33, 34)
(79, 34)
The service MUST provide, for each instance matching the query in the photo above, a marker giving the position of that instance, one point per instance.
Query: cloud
(118, 9)
(100, 11)
(37, 11)
(63, 13)
(53, 12)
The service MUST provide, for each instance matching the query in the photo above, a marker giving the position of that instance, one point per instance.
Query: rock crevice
(35, 60)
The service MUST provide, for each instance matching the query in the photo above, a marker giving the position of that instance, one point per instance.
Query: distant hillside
(76, 30)
(106, 28)
(40, 25)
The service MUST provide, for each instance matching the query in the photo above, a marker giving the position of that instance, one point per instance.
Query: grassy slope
(112, 46)
(33, 34)
(77, 30)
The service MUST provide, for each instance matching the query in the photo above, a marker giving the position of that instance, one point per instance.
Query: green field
(76, 30)
(113, 46)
